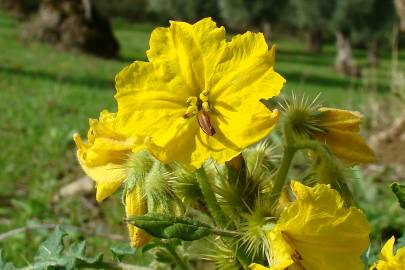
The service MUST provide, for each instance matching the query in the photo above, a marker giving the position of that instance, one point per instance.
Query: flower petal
(341, 119)
(103, 156)
(321, 231)
(149, 98)
(191, 50)
(347, 145)
(245, 72)
(246, 124)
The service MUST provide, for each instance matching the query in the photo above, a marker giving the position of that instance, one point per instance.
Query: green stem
(210, 198)
(104, 265)
(218, 215)
(225, 233)
(179, 262)
(281, 175)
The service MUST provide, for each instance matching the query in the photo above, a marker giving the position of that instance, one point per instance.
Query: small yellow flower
(317, 232)
(342, 135)
(387, 259)
(103, 155)
(135, 205)
(199, 95)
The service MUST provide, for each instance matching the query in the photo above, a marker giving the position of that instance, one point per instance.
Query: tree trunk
(400, 8)
(72, 25)
(344, 62)
(372, 53)
(314, 41)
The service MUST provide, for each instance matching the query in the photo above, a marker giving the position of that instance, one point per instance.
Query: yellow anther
(192, 100)
(191, 110)
(204, 96)
(205, 106)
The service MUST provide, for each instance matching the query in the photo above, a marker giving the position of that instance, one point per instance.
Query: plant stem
(210, 198)
(218, 215)
(280, 177)
(225, 233)
(179, 262)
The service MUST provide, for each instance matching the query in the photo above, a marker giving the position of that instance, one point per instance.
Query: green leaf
(120, 251)
(52, 255)
(5, 265)
(164, 226)
(399, 191)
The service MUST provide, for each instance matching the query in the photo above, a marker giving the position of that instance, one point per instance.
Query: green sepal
(399, 191)
(166, 227)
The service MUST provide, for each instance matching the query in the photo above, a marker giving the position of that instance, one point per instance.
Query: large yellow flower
(387, 259)
(199, 95)
(103, 155)
(317, 232)
(341, 134)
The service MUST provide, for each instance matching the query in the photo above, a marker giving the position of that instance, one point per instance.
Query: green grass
(47, 95)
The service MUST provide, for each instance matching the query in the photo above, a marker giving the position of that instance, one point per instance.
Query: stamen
(192, 100)
(204, 96)
(205, 106)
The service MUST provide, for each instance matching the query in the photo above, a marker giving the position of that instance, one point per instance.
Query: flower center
(199, 106)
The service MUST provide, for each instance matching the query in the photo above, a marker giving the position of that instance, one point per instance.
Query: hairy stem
(281, 174)
(218, 215)
(210, 199)
(179, 261)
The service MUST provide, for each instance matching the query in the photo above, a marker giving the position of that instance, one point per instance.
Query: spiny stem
(179, 262)
(218, 215)
(210, 198)
(281, 175)
(225, 233)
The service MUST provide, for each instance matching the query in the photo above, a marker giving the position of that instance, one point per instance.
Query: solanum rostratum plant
(190, 146)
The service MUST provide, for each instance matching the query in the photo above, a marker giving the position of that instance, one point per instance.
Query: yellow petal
(192, 51)
(318, 232)
(245, 72)
(348, 146)
(102, 157)
(135, 205)
(341, 119)
(342, 135)
(256, 266)
(150, 98)
(388, 260)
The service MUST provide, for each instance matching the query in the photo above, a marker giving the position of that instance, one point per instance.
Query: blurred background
(58, 59)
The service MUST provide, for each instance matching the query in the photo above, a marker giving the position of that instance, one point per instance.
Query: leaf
(164, 226)
(399, 191)
(120, 251)
(5, 265)
(51, 254)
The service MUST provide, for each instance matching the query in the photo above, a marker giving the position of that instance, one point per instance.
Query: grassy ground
(46, 96)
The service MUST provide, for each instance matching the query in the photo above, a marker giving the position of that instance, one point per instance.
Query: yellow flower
(135, 205)
(199, 95)
(317, 232)
(342, 135)
(103, 155)
(387, 259)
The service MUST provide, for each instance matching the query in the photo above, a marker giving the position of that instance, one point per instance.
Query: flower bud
(135, 205)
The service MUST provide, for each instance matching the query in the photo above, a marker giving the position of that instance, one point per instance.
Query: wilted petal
(103, 155)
